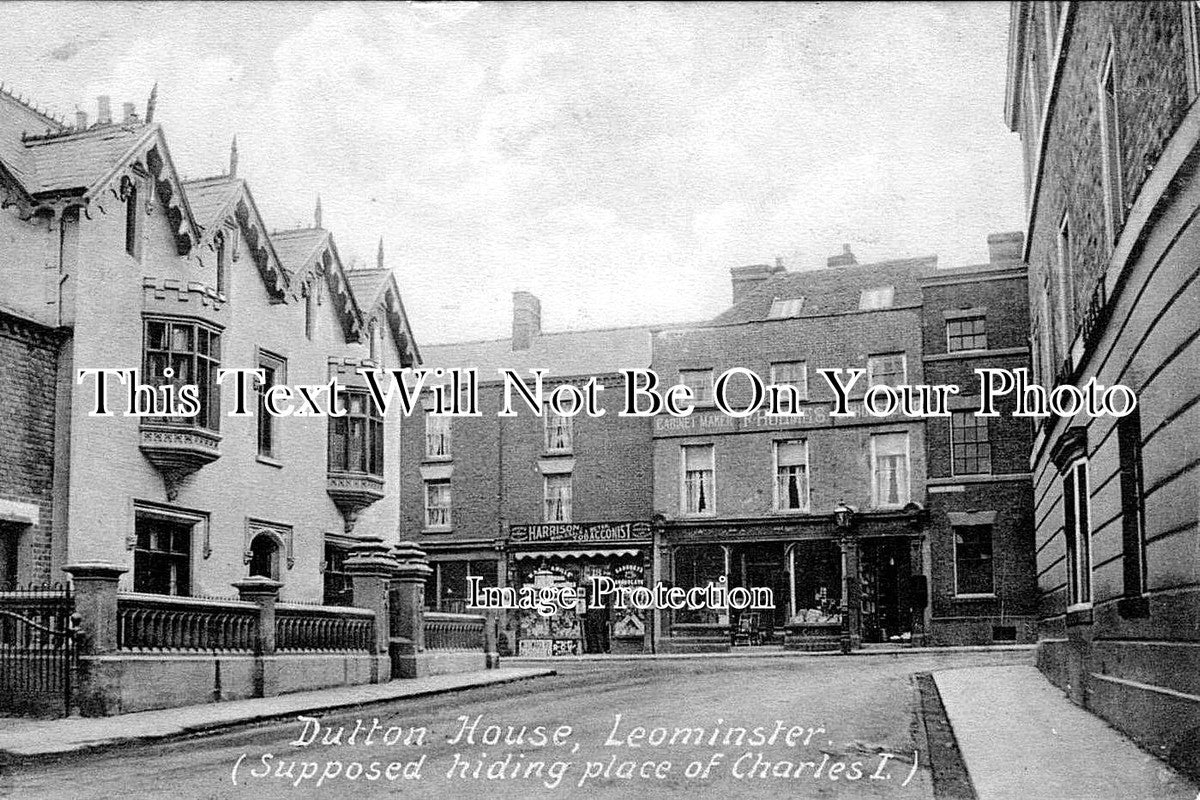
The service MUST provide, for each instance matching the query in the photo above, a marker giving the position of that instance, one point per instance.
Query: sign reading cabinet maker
(580, 532)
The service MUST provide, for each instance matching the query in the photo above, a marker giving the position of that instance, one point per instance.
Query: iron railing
(159, 623)
(336, 629)
(37, 649)
(454, 631)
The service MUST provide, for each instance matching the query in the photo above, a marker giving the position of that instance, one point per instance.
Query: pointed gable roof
(306, 252)
(377, 292)
(222, 198)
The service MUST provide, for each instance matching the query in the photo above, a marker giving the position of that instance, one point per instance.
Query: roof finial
(151, 103)
(317, 213)
(379, 255)
(233, 158)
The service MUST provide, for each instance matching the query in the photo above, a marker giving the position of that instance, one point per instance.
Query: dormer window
(876, 298)
(783, 309)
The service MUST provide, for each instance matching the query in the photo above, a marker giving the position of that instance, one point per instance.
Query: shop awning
(622, 551)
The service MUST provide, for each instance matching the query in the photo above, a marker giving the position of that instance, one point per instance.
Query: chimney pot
(103, 110)
(80, 119)
(527, 320)
(843, 259)
(128, 114)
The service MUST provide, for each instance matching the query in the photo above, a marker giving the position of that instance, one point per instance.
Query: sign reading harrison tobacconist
(594, 532)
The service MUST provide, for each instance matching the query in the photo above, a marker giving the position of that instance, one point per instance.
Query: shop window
(338, 589)
(889, 369)
(356, 439)
(162, 556)
(275, 373)
(450, 582)
(783, 309)
(699, 474)
(697, 566)
(966, 333)
(437, 504)
(970, 444)
(192, 351)
(558, 498)
(1133, 510)
(1110, 142)
(1077, 530)
(876, 298)
(889, 470)
(264, 557)
(700, 381)
(560, 431)
(791, 476)
(973, 573)
(791, 373)
(437, 435)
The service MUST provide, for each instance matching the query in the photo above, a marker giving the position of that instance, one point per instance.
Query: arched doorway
(264, 557)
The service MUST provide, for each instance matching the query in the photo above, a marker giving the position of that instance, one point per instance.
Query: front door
(886, 576)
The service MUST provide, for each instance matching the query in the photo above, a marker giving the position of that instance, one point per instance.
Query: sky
(615, 160)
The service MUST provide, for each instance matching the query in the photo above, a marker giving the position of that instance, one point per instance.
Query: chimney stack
(103, 111)
(527, 320)
(747, 279)
(1004, 247)
(843, 259)
(80, 119)
(128, 114)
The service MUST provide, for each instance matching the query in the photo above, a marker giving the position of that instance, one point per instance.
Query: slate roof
(563, 354)
(366, 283)
(208, 196)
(296, 247)
(76, 161)
(832, 290)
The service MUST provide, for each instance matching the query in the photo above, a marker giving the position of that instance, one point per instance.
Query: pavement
(769, 652)
(1020, 737)
(31, 738)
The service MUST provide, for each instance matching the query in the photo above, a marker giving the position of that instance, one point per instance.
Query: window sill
(437, 459)
(1079, 615)
(792, 512)
(697, 514)
(969, 597)
(270, 462)
(553, 453)
(435, 531)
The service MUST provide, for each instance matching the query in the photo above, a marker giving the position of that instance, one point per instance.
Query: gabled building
(1103, 96)
(126, 266)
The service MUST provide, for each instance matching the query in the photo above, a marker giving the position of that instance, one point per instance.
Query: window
(449, 582)
(791, 476)
(338, 587)
(887, 370)
(558, 498)
(310, 311)
(970, 444)
(1052, 347)
(192, 351)
(437, 504)
(966, 333)
(698, 479)
(1133, 510)
(1078, 533)
(889, 470)
(356, 439)
(437, 435)
(700, 381)
(162, 556)
(876, 298)
(222, 258)
(1036, 348)
(973, 574)
(264, 557)
(133, 227)
(791, 373)
(560, 431)
(782, 309)
(1110, 141)
(1066, 283)
(275, 371)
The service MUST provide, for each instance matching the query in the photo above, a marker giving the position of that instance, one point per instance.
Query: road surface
(746, 727)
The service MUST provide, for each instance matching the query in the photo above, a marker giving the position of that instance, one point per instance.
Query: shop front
(576, 555)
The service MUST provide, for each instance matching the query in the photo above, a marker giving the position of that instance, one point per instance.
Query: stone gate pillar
(371, 566)
(263, 592)
(407, 642)
(94, 586)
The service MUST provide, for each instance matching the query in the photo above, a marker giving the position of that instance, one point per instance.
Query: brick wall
(28, 383)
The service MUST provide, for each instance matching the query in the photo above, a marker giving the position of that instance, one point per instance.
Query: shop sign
(580, 532)
(701, 423)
